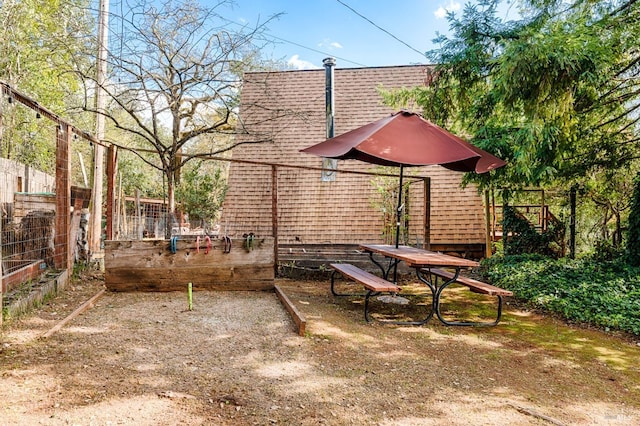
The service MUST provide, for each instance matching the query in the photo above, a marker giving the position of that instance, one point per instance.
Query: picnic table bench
(373, 283)
(473, 285)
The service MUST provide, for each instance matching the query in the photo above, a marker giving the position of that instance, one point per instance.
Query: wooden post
(112, 167)
(505, 229)
(62, 254)
(125, 224)
(274, 215)
(1, 102)
(487, 219)
(494, 214)
(427, 214)
(117, 199)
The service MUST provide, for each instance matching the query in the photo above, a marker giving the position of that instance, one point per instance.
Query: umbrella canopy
(406, 139)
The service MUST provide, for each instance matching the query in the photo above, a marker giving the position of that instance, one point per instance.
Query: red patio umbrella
(406, 139)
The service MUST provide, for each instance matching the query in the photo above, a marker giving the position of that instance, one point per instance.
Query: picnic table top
(419, 258)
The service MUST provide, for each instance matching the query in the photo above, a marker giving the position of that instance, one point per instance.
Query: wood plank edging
(86, 305)
(298, 318)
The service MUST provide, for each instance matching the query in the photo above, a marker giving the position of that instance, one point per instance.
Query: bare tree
(175, 72)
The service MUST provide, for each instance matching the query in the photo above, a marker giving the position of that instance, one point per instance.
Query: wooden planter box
(150, 265)
(26, 273)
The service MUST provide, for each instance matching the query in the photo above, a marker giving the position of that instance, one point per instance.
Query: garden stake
(190, 296)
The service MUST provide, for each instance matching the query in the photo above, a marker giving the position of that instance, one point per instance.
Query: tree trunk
(617, 238)
(171, 200)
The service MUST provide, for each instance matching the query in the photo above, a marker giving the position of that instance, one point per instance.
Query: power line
(271, 36)
(318, 51)
(379, 27)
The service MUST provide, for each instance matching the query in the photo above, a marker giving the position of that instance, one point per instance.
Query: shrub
(606, 294)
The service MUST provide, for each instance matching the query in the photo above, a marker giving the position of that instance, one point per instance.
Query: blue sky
(310, 30)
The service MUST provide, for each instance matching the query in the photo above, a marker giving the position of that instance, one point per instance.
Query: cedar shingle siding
(289, 108)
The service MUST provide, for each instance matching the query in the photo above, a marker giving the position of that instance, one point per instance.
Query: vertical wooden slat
(505, 228)
(112, 166)
(62, 242)
(487, 221)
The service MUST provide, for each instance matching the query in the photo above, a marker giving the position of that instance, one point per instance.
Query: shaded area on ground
(143, 358)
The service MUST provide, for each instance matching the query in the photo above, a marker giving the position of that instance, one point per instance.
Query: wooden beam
(298, 318)
(86, 305)
(209, 264)
(30, 103)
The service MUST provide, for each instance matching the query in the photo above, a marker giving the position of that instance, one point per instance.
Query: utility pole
(95, 218)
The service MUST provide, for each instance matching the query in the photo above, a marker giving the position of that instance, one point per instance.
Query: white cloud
(300, 64)
(442, 11)
(329, 45)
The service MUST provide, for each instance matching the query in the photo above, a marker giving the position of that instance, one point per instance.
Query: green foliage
(633, 234)
(200, 193)
(386, 202)
(605, 251)
(39, 40)
(30, 31)
(606, 294)
(554, 94)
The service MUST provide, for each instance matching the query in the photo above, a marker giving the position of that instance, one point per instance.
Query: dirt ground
(235, 359)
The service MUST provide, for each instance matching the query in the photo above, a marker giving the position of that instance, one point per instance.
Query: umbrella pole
(398, 213)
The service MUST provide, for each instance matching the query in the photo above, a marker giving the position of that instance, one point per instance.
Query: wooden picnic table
(427, 265)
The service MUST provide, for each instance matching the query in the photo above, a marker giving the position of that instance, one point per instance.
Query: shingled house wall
(287, 109)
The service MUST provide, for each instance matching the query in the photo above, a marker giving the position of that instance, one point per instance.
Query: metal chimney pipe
(329, 64)
(328, 164)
